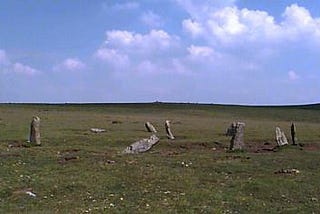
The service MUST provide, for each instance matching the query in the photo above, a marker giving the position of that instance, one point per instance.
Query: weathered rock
(168, 130)
(231, 130)
(150, 127)
(34, 137)
(293, 134)
(237, 131)
(142, 145)
(97, 130)
(281, 137)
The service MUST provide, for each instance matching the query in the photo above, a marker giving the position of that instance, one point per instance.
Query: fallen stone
(150, 127)
(287, 171)
(34, 137)
(281, 137)
(142, 145)
(168, 130)
(97, 130)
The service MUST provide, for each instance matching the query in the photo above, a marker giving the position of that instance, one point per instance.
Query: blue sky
(206, 51)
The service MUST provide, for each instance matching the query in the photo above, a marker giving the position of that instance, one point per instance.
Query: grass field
(76, 171)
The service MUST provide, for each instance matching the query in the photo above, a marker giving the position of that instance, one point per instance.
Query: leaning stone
(281, 137)
(237, 130)
(293, 134)
(34, 137)
(168, 130)
(142, 145)
(150, 127)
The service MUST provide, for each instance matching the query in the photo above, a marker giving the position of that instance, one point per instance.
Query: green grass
(215, 181)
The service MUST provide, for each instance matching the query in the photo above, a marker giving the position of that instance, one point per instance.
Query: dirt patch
(169, 153)
(68, 155)
(311, 146)
(237, 157)
(261, 147)
(17, 144)
(202, 145)
(4, 155)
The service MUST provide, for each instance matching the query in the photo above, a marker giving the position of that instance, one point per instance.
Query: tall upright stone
(142, 145)
(34, 137)
(231, 129)
(236, 130)
(150, 127)
(293, 134)
(281, 137)
(168, 130)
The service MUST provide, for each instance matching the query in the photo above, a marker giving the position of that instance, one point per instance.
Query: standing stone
(142, 145)
(237, 131)
(150, 127)
(231, 130)
(293, 134)
(168, 130)
(34, 137)
(281, 137)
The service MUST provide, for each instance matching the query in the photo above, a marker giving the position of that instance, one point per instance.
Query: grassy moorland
(76, 171)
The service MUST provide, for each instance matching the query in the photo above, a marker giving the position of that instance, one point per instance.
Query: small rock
(97, 130)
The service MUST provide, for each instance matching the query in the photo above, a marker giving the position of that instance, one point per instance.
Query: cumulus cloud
(193, 27)
(70, 64)
(198, 8)
(140, 51)
(112, 56)
(152, 19)
(154, 40)
(7, 67)
(73, 64)
(298, 23)
(24, 69)
(200, 51)
(233, 26)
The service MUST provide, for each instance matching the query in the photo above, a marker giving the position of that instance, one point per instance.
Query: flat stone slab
(142, 145)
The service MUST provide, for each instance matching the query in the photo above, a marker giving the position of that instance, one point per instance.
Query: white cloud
(293, 76)
(130, 51)
(6, 66)
(200, 51)
(24, 69)
(154, 40)
(193, 27)
(147, 66)
(152, 19)
(70, 64)
(112, 56)
(123, 47)
(198, 9)
(298, 23)
(233, 26)
(73, 64)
